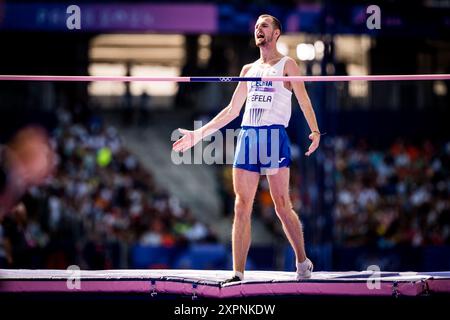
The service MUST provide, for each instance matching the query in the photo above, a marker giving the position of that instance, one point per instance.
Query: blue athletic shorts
(262, 148)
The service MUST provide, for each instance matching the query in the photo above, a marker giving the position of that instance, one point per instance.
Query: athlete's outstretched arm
(292, 69)
(229, 113)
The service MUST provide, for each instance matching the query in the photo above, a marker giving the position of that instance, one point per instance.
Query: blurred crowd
(380, 196)
(99, 203)
(399, 194)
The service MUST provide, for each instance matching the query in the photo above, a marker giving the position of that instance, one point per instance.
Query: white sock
(238, 274)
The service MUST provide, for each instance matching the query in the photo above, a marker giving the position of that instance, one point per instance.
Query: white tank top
(268, 102)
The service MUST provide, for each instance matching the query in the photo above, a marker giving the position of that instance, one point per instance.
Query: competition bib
(261, 95)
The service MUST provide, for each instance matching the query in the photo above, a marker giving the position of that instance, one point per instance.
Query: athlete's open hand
(315, 137)
(187, 141)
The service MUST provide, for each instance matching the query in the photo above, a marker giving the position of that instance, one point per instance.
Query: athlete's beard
(265, 41)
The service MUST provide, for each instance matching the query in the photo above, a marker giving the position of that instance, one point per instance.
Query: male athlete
(267, 113)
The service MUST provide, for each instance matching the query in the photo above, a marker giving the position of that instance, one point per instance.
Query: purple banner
(184, 18)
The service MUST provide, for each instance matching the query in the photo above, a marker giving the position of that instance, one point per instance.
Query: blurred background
(376, 192)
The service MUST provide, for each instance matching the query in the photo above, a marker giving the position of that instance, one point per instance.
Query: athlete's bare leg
(245, 186)
(279, 190)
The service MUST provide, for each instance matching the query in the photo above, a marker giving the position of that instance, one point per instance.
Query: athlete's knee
(243, 205)
(282, 203)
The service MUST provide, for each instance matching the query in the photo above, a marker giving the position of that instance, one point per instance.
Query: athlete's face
(264, 32)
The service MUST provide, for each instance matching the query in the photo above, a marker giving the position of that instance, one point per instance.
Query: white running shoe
(304, 269)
